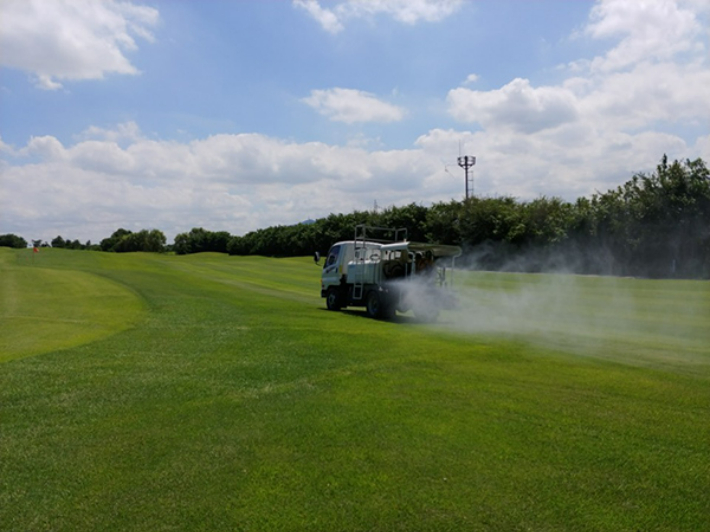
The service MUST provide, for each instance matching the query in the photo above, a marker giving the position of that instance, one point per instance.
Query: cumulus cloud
(517, 105)
(349, 106)
(72, 39)
(5, 148)
(405, 11)
(655, 30)
(569, 162)
(325, 17)
(234, 182)
(46, 148)
(241, 182)
(657, 71)
(127, 131)
(612, 111)
(669, 92)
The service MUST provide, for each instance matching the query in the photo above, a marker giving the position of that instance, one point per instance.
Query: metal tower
(467, 162)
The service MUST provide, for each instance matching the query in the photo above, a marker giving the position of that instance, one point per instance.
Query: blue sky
(235, 115)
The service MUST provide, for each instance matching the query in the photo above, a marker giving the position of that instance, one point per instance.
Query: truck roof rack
(383, 235)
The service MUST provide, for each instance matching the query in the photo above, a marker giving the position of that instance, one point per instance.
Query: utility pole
(467, 162)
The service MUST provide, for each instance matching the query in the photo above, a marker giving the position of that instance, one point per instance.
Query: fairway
(208, 392)
(49, 309)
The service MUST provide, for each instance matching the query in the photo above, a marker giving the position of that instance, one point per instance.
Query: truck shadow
(399, 318)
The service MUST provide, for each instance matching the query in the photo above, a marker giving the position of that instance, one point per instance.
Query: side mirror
(316, 257)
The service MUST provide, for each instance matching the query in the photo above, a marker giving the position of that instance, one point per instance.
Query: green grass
(214, 393)
(45, 309)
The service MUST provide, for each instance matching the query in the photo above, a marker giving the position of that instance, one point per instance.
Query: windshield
(332, 256)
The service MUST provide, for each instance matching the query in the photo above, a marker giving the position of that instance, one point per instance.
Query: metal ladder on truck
(361, 240)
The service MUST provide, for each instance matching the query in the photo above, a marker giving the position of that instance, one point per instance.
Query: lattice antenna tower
(467, 162)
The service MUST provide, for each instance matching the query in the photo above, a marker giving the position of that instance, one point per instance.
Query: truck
(386, 273)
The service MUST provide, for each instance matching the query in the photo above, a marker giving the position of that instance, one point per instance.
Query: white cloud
(44, 81)
(223, 182)
(669, 92)
(610, 117)
(326, 18)
(106, 158)
(72, 39)
(649, 93)
(650, 30)
(5, 147)
(517, 105)
(349, 106)
(702, 148)
(570, 162)
(241, 182)
(405, 11)
(45, 147)
(127, 131)
(471, 79)
(657, 71)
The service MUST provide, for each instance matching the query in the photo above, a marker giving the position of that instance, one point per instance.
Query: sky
(234, 115)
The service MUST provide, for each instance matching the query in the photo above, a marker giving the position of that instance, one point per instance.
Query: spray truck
(385, 273)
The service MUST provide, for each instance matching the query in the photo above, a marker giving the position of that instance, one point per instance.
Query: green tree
(200, 240)
(123, 241)
(109, 244)
(12, 241)
(413, 217)
(657, 224)
(443, 223)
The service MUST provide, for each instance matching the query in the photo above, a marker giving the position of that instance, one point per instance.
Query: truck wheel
(374, 304)
(389, 312)
(333, 300)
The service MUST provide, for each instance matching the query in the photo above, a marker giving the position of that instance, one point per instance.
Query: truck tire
(373, 304)
(389, 312)
(333, 299)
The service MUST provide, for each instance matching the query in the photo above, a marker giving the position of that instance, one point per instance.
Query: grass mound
(46, 309)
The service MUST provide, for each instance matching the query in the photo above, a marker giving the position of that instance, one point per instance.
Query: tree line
(654, 225)
(122, 240)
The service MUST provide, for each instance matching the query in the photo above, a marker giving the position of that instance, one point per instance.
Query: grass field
(207, 392)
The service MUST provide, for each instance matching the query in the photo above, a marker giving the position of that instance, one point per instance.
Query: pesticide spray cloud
(637, 321)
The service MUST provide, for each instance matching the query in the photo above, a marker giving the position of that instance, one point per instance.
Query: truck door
(331, 268)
